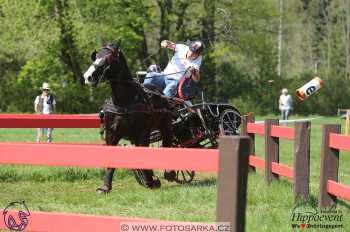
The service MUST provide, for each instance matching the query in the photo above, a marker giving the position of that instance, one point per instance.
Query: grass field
(73, 189)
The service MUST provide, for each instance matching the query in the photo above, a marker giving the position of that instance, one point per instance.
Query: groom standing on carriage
(185, 63)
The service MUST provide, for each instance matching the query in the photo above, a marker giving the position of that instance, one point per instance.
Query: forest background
(253, 48)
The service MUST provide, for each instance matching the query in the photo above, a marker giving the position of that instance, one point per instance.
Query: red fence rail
(340, 142)
(256, 161)
(282, 170)
(48, 121)
(272, 133)
(254, 128)
(68, 222)
(330, 189)
(338, 189)
(108, 156)
(282, 132)
(232, 167)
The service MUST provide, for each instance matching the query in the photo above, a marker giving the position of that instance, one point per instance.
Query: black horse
(132, 113)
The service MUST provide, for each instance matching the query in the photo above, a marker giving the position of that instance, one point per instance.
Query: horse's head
(105, 64)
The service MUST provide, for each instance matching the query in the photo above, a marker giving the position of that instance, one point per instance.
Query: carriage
(132, 114)
(197, 126)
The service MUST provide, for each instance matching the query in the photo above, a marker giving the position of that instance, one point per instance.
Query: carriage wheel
(229, 122)
(184, 177)
(140, 177)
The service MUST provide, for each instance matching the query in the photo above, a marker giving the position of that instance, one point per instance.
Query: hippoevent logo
(306, 217)
(15, 215)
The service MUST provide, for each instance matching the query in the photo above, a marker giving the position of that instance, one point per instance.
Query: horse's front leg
(166, 130)
(150, 179)
(111, 140)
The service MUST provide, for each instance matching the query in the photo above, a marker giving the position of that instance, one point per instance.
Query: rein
(122, 81)
(169, 74)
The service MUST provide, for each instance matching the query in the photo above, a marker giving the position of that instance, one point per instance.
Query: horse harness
(142, 101)
(145, 107)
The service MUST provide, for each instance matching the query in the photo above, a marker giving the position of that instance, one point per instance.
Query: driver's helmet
(154, 68)
(196, 46)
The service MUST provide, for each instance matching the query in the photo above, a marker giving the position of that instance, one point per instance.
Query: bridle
(114, 56)
(115, 53)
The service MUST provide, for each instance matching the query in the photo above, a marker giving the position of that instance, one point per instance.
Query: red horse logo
(19, 221)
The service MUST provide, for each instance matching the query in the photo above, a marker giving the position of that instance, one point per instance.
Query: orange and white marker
(309, 88)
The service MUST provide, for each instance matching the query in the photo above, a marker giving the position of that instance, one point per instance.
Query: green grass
(73, 189)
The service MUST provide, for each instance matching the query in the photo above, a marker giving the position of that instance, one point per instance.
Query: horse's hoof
(170, 175)
(103, 190)
(154, 184)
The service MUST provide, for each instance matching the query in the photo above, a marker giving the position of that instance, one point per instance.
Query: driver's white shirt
(179, 63)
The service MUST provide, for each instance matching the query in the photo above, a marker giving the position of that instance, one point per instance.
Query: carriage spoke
(229, 122)
(190, 173)
(140, 178)
(183, 175)
(234, 116)
(229, 118)
(229, 126)
(232, 121)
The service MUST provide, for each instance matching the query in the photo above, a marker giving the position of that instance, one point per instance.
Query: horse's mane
(126, 70)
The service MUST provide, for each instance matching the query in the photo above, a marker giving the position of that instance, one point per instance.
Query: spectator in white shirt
(44, 104)
(285, 104)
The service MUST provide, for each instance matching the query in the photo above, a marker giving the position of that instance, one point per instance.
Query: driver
(186, 61)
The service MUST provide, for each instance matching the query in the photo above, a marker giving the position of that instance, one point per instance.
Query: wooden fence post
(232, 186)
(245, 120)
(271, 150)
(302, 160)
(329, 165)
